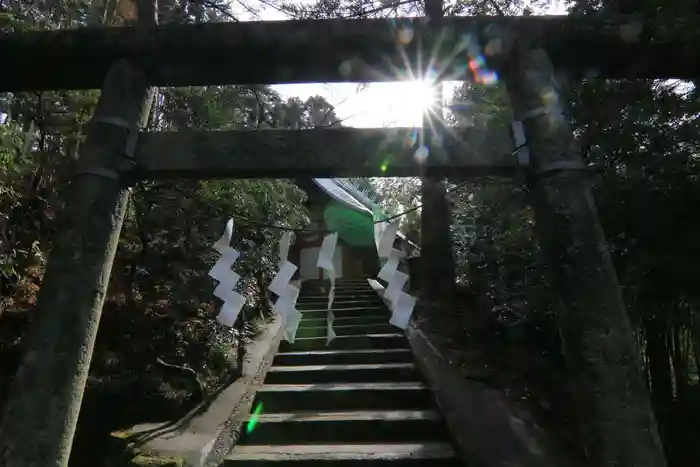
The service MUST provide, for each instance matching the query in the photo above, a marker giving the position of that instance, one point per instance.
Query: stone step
(323, 304)
(343, 312)
(343, 397)
(338, 285)
(343, 294)
(346, 427)
(380, 318)
(348, 330)
(368, 341)
(310, 284)
(338, 282)
(348, 281)
(347, 455)
(341, 289)
(364, 293)
(353, 373)
(349, 357)
(313, 301)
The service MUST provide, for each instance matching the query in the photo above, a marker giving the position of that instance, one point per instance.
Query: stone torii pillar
(41, 413)
(437, 278)
(602, 360)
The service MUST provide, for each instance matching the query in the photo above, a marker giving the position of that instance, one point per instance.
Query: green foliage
(158, 320)
(397, 195)
(14, 161)
(160, 306)
(643, 137)
(13, 164)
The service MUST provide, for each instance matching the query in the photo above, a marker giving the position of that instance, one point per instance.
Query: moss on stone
(145, 460)
(122, 434)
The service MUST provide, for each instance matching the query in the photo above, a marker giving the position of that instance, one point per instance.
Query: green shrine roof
(352, 215)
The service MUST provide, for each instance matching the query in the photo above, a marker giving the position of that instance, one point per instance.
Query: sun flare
(408, 101)
(400, 103)
(422, 95)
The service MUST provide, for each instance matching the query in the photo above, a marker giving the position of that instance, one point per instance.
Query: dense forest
(159, 347)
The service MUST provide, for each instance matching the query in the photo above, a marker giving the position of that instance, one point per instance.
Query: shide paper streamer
(391, 266)
(325, 261)
(285, 306)
(384, 236)
(395, 287)
(233, 301)
(402, 310)
(287, 294)
(401, 303)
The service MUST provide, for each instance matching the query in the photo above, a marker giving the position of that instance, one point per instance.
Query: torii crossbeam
(340, 50)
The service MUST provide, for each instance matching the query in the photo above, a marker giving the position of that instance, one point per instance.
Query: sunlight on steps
(359, 401)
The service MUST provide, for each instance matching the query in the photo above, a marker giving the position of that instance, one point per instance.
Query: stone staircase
(359, 401)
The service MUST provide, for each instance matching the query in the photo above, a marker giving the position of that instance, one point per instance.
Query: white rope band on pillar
(287, 294)
(233, 301)
(325, 262)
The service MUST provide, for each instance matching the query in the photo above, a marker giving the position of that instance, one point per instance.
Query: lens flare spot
(477, 63)
(549, 97)
(466, 42)
(486, 77)
(421, 154)
(411, 138)
(493, 47)
(432, 73)
(631, 31)
(254, 418)
(345, 68)
(461, 67)
(404, 35)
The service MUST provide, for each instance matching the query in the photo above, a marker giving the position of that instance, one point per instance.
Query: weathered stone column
(41, 412)
(437, 261)
(602, 360)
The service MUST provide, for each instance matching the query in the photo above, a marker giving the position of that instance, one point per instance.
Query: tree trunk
(598, 343)
(680, 364)
(695, 334)
(265, 302)
(659, 365)
(41, 412)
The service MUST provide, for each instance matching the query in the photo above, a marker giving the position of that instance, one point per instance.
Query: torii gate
(41, 413)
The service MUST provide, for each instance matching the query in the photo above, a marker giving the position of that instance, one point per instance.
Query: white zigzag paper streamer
(287, 294)
(384, 235)
(285, 306)
(325, 261)
(402, 310)
(233, 301)
(391, 265)
(395, 287)
(401, 303)
(330, 317)
(395, 279)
